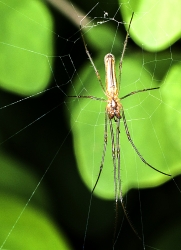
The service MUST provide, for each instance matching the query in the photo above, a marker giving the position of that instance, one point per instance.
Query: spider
(115, 111)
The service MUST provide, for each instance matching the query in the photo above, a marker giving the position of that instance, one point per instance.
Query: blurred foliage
(26, 43)
(36, 142)
(155, 27)
(147, 114)
(26, 47)
(34, 230)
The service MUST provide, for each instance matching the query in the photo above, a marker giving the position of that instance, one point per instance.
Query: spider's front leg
(103, 154)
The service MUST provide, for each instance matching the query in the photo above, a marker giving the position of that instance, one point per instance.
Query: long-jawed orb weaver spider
(115, 111)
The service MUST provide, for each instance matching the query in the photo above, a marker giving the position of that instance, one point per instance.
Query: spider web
(44, 134)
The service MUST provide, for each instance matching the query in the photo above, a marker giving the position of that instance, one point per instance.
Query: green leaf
(106, 30)
(147, 123)
(15, 175)
(24, 225)
(33, 230)
(172, 110)
(155, 23)
(26, 42)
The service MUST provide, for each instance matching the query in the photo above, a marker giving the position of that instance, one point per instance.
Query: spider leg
(103, 154)
(114, 160)
(118, 157)
(88, 96)
(137, 91)
(124, 46)
(117, 175)
(136, 150)
(100, 171)
(117, 182)
(90, 58)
